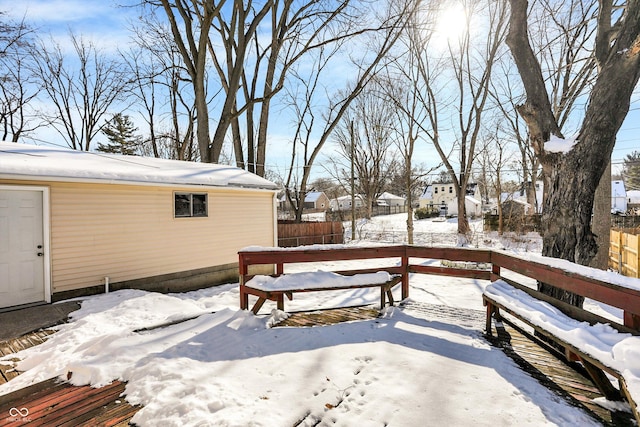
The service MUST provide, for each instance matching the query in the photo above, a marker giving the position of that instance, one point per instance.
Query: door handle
(40, 254)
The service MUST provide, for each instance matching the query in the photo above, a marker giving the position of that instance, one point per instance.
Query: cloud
(61, 11)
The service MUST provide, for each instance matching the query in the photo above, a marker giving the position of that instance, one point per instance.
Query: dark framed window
(188, 205)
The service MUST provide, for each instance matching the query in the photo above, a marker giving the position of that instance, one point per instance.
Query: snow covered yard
(196, 359)
(231, 368)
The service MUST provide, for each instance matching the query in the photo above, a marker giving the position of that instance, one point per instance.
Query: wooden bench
(275, 288)
(579, 332)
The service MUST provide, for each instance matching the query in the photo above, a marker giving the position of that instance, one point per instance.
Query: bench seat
(598, 345)
(275, 288)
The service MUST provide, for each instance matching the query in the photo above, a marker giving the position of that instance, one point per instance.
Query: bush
(422, 213)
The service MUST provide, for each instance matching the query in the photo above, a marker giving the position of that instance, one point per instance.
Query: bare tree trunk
(573, 176)
(602, 220)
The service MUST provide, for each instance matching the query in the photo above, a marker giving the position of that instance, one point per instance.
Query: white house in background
(344, 203)
(443, 197)
(75, 223)
(618, 197)
(388, 199)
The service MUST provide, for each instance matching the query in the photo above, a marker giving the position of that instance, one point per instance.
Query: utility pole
(353, 185)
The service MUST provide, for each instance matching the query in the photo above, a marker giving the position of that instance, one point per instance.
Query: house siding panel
(128, 232)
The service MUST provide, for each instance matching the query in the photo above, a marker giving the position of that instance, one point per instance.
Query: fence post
(405, 274)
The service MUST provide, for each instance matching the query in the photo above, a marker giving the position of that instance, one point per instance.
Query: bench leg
(244, 299)
(601, 381)
(491, 310)
(258, 305)
(280, 301)
(383, 300)
(390, 297)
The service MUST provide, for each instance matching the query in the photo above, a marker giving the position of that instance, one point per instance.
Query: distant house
(316, 200)
(76, 223)
(313, 200)
(344, 203)
(443, 197)
(388, 199)
(516, 208)
(519, 199)
(618, 197)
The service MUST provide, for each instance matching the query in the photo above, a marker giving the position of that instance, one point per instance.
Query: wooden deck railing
(404, 259)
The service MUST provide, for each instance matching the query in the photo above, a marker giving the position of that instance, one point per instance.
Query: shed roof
(388, 196)
(313, 196)
(20, 161)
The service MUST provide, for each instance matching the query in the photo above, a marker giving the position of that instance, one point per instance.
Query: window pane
(199, 204)
(182, 205)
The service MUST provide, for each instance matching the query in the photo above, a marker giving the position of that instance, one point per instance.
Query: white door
(21, 247)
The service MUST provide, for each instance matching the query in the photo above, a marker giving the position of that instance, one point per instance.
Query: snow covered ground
(430, 232)
(415, 366)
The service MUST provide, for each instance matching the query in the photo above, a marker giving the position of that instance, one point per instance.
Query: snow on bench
(609, 349)
(274, 288)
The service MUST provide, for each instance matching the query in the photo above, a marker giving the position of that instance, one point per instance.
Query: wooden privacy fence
(624, 253)
(309, 233)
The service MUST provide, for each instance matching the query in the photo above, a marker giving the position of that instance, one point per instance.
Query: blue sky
(101, 21)
(105, 23)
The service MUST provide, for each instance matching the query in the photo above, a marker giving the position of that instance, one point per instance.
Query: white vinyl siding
(129, 232)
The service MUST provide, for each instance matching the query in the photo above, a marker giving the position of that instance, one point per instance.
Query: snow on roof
(20, 161)
(313, 196)
(427, 193)
(472, 200)
(389, 196)
(348, 197)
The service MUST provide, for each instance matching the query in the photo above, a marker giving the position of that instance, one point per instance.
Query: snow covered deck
(599, 343)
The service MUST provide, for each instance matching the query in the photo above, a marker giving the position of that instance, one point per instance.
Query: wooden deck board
(62, 404)
(53, 402)
(329, 316)
(7, 372)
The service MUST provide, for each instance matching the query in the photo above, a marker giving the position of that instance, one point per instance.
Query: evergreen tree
(631, 171)
(121, 133)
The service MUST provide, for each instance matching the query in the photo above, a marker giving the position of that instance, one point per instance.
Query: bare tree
(494, 157)
(574, 175)
(18, 87)
(459, 95)
(512, 126)
(290, 32)
(81, 94)
(391, 27)
(366, 137)
(191, 22)
(397, 90)
(160, 84)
